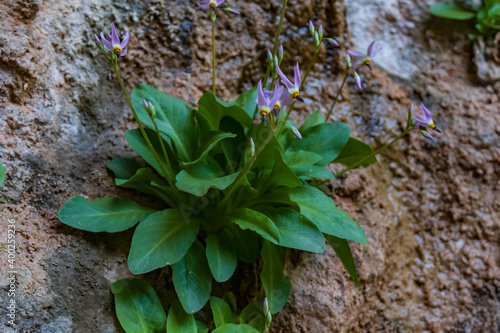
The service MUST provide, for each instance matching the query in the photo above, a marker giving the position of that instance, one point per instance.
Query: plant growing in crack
(237, 182)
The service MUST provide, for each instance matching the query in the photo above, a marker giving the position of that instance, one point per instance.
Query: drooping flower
(263, 103)
(212, 4)
(370, 54)
(423, 121)
(277, 100)
(293, 88)
(115, 45)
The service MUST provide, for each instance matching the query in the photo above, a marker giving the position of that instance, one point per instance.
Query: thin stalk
(306, 74)
(245, 169)
(169, 166)
(139, 123)
(358, 163)
(213, 51)
(276, 39)
(337, 96)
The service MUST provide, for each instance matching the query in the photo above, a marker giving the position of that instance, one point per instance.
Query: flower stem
(169, 166)
(139, 123)
(212, 17)
(276, 40)
(337, 96)
(306, 74)
(245, 169)
(358, 163)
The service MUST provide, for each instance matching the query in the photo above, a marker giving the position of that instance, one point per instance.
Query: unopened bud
(269, 56)
(296, 132)
(316, 39)
(320, 32)
(357, 79)
(280, 54)
(348, 61)
(267, 315)
(411, 122)
(232, 11)
(333, 42)
(251, 150)
(311, 28)
(426, 135)
(150, 109)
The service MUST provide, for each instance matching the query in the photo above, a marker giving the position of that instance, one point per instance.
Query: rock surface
(430, 210)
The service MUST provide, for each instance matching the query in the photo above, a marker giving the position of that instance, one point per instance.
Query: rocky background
(431, 210)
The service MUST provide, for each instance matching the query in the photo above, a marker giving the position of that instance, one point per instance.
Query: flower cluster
(274, 101)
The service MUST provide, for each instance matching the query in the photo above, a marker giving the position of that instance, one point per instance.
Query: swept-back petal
(284, 79)
(202, 5)
(296, 73)
(426, 111)
(114, 36)
(370, 48)
(354, 54)
(219, 2)
(262, 100)
(106, 42)
(123, 52)
(125, 41)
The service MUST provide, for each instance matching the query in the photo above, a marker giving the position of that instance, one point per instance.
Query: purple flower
(115, 45)
(277, 101)
(423, 121)
(293, 88)
(370, 54)
(97, 40)
(205, 4)
(357, 79)
(264, 104)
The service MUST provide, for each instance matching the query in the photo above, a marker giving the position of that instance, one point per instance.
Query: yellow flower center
(432, 125)
(212, 4)
(117, 49)
(295, 94)
(277, 106)
(367, 61)
(264, 112)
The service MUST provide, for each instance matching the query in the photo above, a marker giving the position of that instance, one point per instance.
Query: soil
(430, 209)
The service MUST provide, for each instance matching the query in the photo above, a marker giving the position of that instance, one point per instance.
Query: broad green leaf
(198, 179)
(211, 110)
(248, 219)
(221, 255)
(231, 301)
(326, 140)
(234, 328)
(343, 251)
(354, 151)
(253, 314)
(123, 168)
(173, 117)
(192, 279)
(142, 180)
(221, 311)
(320, 209)
(234, 149)
(137, 142)
(451, 11)
(313, 171)
(102, 215)
(276, 284)
(179, 321)
(247, 101)
(2, 174)
(301, 158)
(312, 120)
(201, 327)
(246, 244)
(295, 230)
(161, 239)
(138, 308)
(209, 142)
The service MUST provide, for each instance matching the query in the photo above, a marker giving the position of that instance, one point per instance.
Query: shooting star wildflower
(370, 54)
(424, 121)
(115, 45)
(205, 4)
(293, 88)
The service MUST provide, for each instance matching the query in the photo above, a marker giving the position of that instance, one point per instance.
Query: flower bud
(316, 39)
(426, 135)
(311, 28)
(232, 11)
(267, 315)
(150, 109)
(411, 122)
(280, 54)
(296, 132)
(251, 150)
(320, 32)
(357, 79)
(333, 42)
(270, 57)
(348, 61)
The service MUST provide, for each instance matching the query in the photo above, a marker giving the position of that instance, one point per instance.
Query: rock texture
(431, 210)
